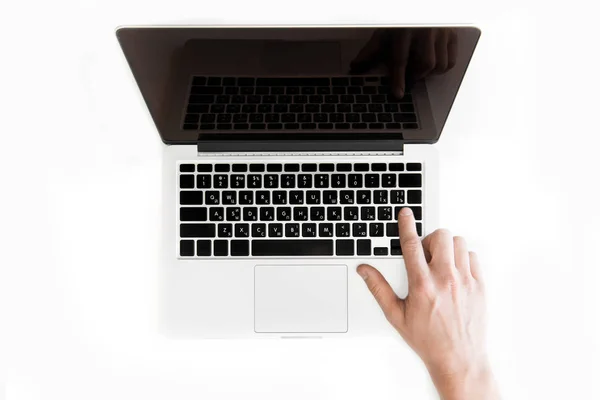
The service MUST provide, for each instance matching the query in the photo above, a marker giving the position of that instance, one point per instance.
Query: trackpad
(300, 298)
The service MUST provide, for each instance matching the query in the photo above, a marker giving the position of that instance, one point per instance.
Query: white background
(80, 168)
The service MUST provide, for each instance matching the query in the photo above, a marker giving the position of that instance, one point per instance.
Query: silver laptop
(288, 154)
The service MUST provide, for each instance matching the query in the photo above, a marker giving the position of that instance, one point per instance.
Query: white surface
(79, 165)
(301, 298)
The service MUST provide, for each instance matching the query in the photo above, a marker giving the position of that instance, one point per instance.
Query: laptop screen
(303, 83)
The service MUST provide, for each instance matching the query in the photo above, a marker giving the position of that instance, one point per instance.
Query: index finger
(412, 249)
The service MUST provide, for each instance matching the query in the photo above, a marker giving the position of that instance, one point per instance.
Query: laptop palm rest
(301, 298)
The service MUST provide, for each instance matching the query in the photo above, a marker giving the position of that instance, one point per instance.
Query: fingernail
(405, 211)
(363, 273)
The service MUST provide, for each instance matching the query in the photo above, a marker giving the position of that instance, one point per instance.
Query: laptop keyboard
(296, 104)
(301, 209)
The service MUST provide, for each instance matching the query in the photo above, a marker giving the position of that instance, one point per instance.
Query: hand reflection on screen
(410, 54)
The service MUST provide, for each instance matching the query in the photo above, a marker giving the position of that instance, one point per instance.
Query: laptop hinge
(301, 154)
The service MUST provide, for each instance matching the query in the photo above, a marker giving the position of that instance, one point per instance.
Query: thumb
(392, 305)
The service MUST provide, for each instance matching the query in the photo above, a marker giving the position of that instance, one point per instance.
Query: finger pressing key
(412, 250)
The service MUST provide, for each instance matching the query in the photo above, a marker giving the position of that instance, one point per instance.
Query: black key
(238, 181)
(246, 197)
(186, 181)
(212, 197)
(217, 109)
(292, 230)
(291, 167)
(329, 197)
(377, 108)
(340, 81)
(225, 230)
(240, 248)
(396, 167)
(233, 213)
(203, 248)
(346, 197)
(336, 117)
(378, 167)
(380, 196)
(220, 248)
(284, 214)
(305, 181)
(351, 213)
(413, 166)
(369, 90)
(355, 180)
(255, 181)
(250, 213)
(334, 213)
(378, 98)
(280, 107)
(414, 196)
(367, 213)
(344, 167)
(321, 181)
(359, 229)
(380, 251)
(363, 197)
(271, 181)
(311, 108)
(256, 117)
(328, 108)
(233, 108)
(284, 100)
(300, 214)
(263, 197)
(395, 248)
(388, 180)
(292, 126)
(338, 181)
(344, 247)
(359, 108)
(197, 230)
(296, 197)
(292, 90)
(187, 168)
(408, 108)
(353, 117)
(392, 229)
(267, 214)
(405, 117)
(309, 126)
(376, 229)
(397, 196)
(186, 248)
(323, 90)
(307, 90)
(232, 90)
(338, 90)
(292, 247)
(384, 213)
(242, 230)
(199, 80)
(261, 90)
(257, 167)
(363, 247)
(279, 197)
(343, 108)
(245, 82)
(208, 118)
(317, 214)
(192, 214)
(275, 230)
(368, 117)
(297, 108)
(320, 117)
(288, 118)
(342, 229)
(371, 180)
(313, 197)
(259, 230)
(214, 81)
(272, 118)
(216, 214)
(207, 127)
(228, 197)
(304, 117)
(409, 180)
(326, 167)
(274, 167)
(309, 167)
(190, 197)
(204, 168)
(309, 230)
(419, 229)
(417, 211)
(277, 90)
(359, 125)
(325, 126)
(220, 181)
(326, 230)
(390, 107)
(362, 167)
(377, 125)
(265, 108)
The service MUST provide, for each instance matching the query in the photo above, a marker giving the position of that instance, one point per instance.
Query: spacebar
(292, 247)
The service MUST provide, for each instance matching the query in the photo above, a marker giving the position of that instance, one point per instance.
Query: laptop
(289, 151)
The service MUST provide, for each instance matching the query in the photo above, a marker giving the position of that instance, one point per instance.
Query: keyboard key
(409, 180)
(359, 229)
(413, 166)
(363, 197)
(351, 213)
(309, 167)
(190, 197)
(392, 229)
(309, 229)
(317, 214)
(250, 213)
(342, 229)
(313, 197)
(186, 248)
(367, 213)
(225, 230)
(296, 197)
(203, 168)
(197, 230)
(376, 229)
(203, 182)
(363, 247)
(397, 196)
(279, 197)
(417, 211)
(326, 167)
(242, 230)
(361, 167)
(186, 181)
(378, 167)
(212, 197)
(257, 167)
(419, 229)
(344, 167)
(395, 248)
(259, 230)
(291, 167)
(300, 214)
(396, 167)
(330, 197)
(334, 213)
(239, 168)
(338, 181)
(292, 247)
(187, 168)
(203, 248)
(228, 197)
(192, 214)
(344, 247)
(255, 181)
(380, 251)
(216, 214)
(321, 181)
(288, 181)
(271, 181)
(380, 196)
(326, 230)
(305, 181)
(233, 213)
(388, 180)
(220, 181)
(292, 230)
(274, 167)
(371, 180)
(346, 197)
(355, 180)
(267, 213)
(263, 197)
(284, 214)
(246, 197)
(240, 248)
(222, 168)
(275, 230)
(221, 248)
(414, 196)
(384, 213)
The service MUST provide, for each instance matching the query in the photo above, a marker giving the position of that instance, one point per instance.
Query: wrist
(472, 381)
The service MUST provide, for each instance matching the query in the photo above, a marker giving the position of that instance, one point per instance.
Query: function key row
(308, 167)
(291, 81)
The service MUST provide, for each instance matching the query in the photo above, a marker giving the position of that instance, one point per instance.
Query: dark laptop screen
(264, 83)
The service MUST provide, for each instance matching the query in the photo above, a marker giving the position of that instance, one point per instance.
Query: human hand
(442, 318)
(410, 54)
